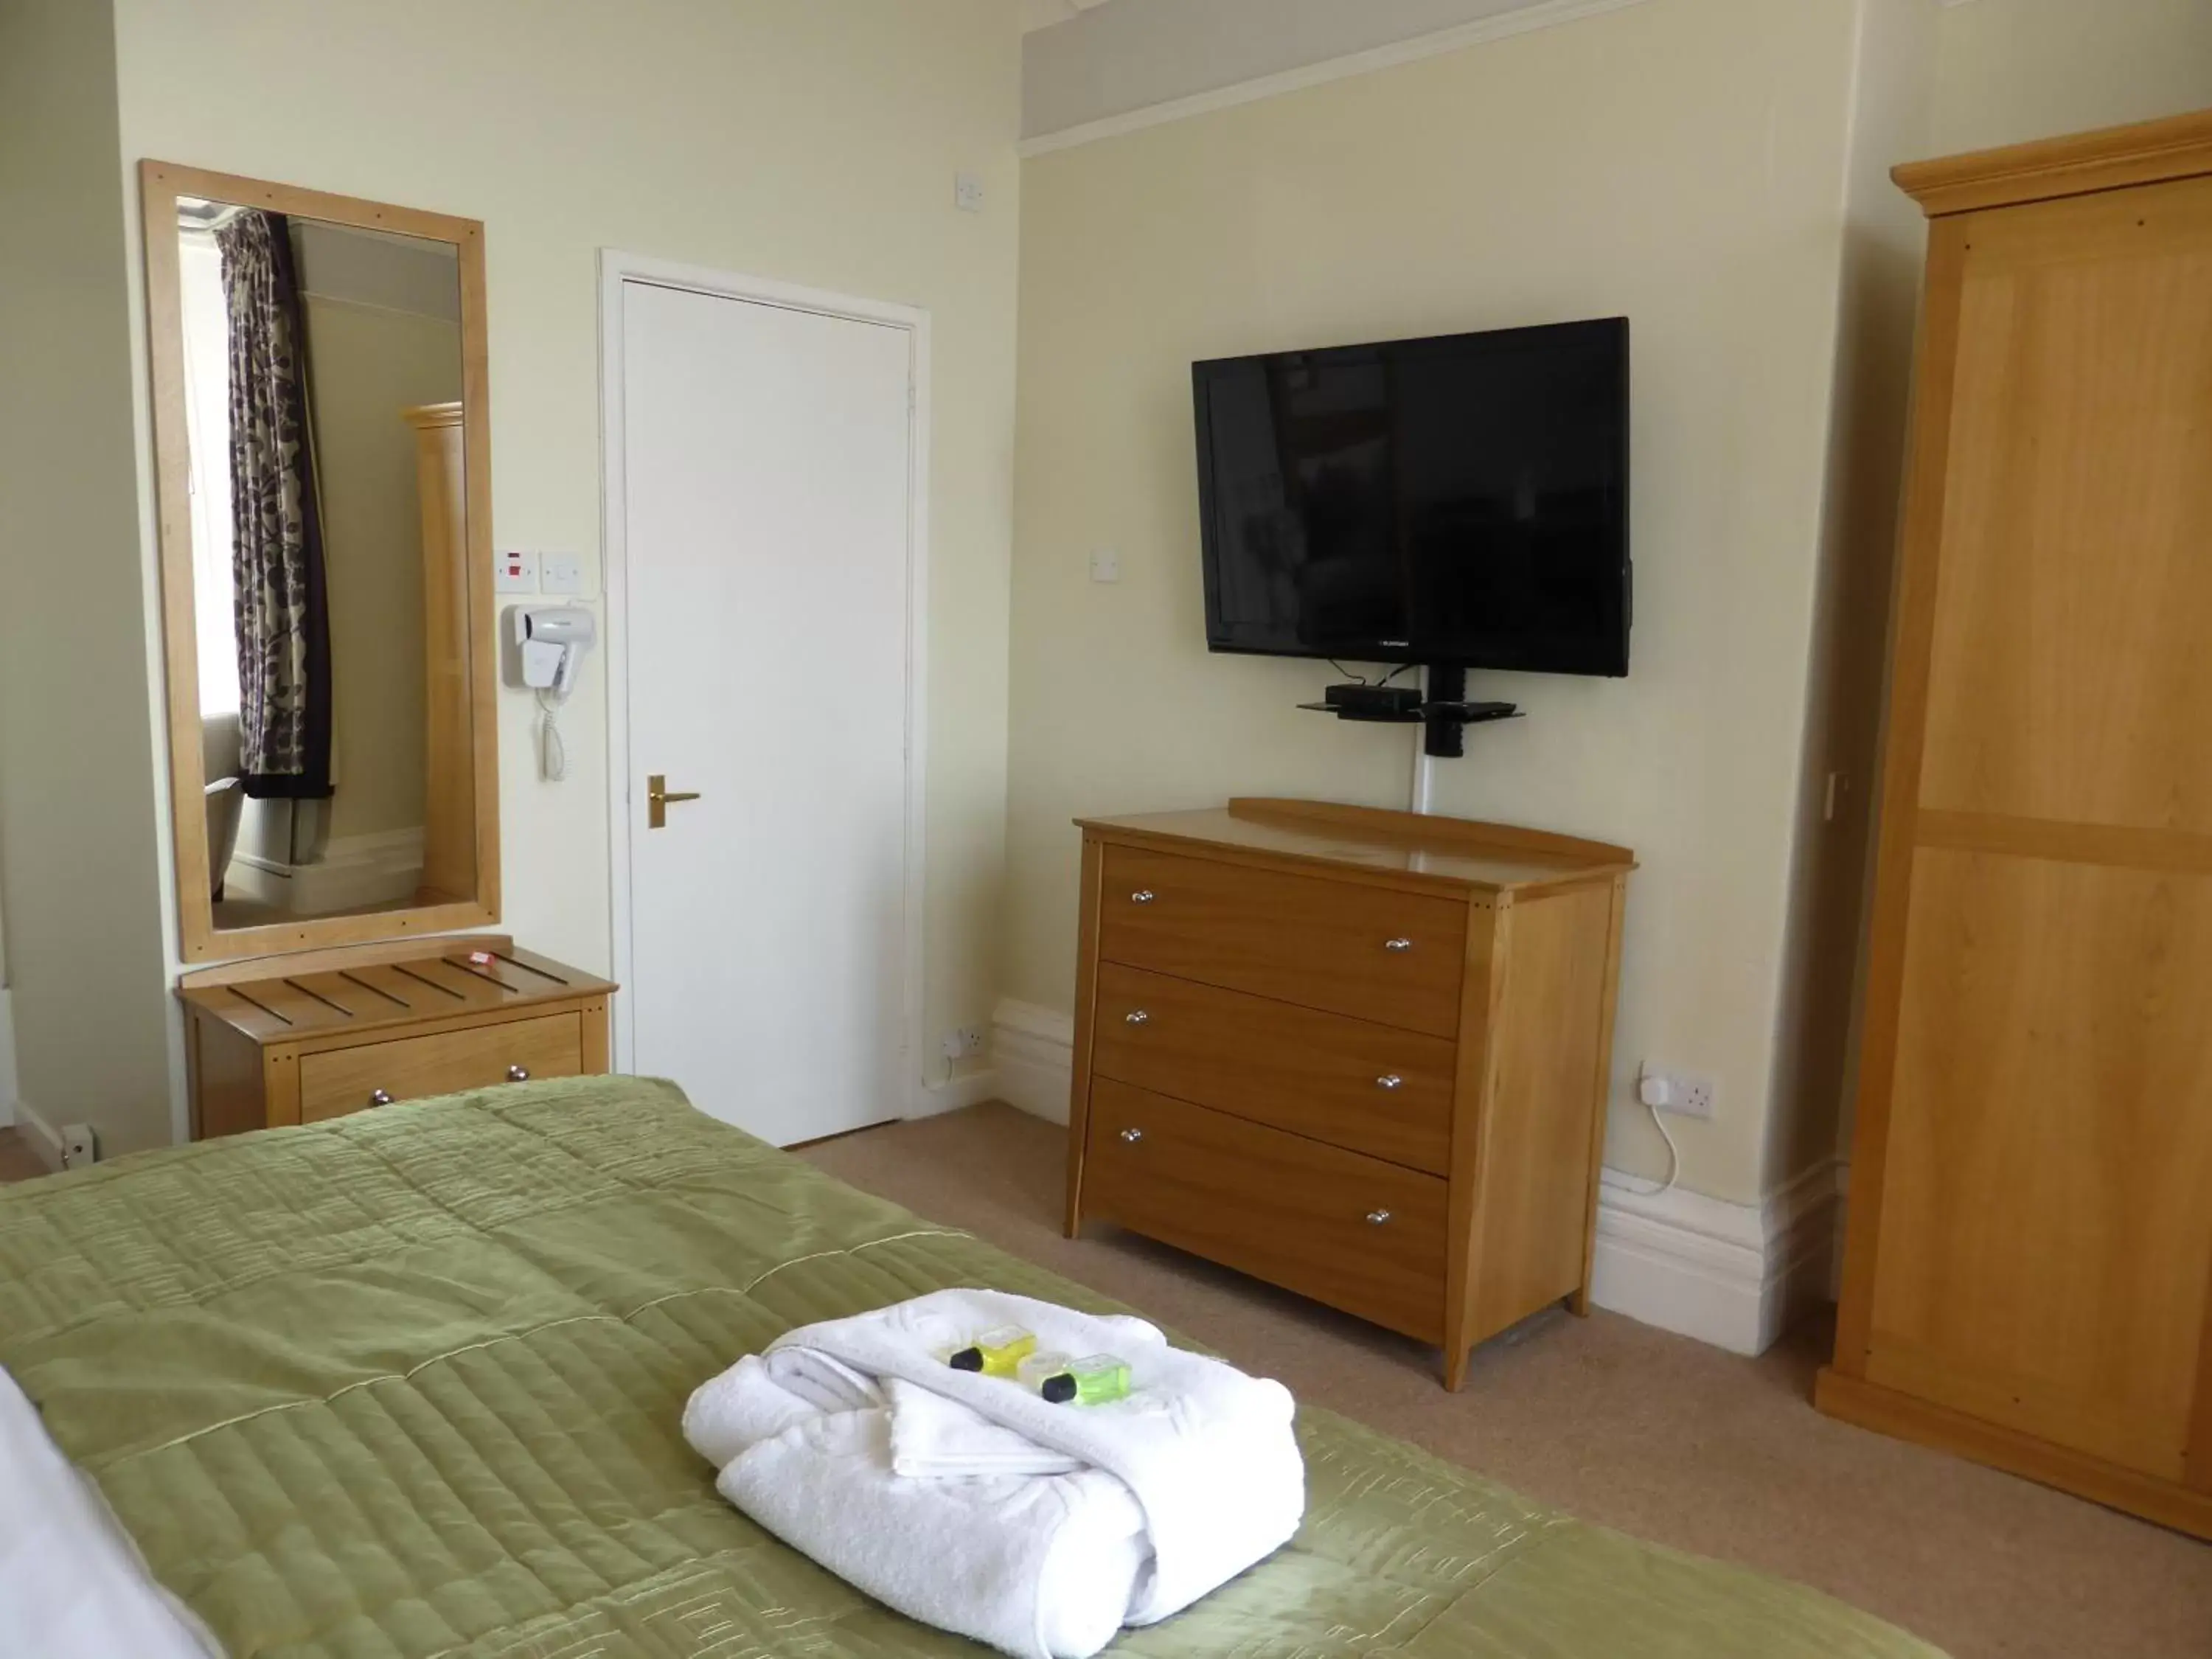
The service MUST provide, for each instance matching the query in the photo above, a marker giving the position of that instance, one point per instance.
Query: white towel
(1016, 1522)
(1208, 1451)
(933, 1438)
(1039, 1567)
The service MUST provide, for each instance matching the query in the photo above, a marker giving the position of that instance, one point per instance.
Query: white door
(765, 500)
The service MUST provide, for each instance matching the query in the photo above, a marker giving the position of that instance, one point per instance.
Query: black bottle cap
(1059, 1390)
(967, 1360)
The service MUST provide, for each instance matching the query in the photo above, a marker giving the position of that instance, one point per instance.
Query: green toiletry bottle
(1096, 1381)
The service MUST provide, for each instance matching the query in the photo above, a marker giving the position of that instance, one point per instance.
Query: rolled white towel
(742, 1406)
(969, 1502)
(933, 1438)
(1208, 1452)
(1040, 1567)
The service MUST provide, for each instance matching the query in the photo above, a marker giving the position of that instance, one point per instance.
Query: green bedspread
(408, 1384)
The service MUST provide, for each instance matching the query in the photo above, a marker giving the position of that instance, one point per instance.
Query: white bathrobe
(971, 1504)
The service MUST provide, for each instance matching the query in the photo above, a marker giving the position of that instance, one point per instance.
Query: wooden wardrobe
(449, 828)
(2028, 1278)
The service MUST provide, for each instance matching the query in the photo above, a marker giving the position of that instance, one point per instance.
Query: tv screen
(1461, 500)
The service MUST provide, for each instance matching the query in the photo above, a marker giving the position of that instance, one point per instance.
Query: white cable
(552, 753)
(1673, 1159)
(1422, 792)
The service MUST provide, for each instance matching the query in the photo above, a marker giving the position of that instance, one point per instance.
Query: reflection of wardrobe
(2029, 1274)
(448, 826)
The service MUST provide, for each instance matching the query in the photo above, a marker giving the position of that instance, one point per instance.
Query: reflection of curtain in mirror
(207, 400)
(284, 625)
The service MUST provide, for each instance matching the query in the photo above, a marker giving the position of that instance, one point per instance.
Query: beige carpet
(1661, 1436)
(17, 1161)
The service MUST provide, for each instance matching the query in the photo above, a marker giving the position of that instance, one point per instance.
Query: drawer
(342, 1081)
(1375, 1089)
(1355, 1232)
(1373, 952)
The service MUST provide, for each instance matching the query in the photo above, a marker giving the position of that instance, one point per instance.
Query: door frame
(618, 268)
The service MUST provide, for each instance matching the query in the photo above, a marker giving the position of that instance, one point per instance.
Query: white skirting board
(354, 871)
(1731, 1274)
(1735, 1275)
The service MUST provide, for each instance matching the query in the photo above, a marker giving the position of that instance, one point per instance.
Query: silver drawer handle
(1397, 945)
(1389, 1080)
(1136, 1016)
(1133, 1136)
(518, 1074)
(378, 1097)
(1377, 1217)
(1142, 895)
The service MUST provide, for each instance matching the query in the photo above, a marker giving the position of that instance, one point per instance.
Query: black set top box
(1358, 702)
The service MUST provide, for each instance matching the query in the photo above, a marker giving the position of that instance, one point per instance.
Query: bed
(407, 1384)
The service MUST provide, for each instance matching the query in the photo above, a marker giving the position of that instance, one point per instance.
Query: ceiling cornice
(1043, 14)
(1523, 20)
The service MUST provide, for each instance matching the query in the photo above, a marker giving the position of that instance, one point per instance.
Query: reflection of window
(207, 419)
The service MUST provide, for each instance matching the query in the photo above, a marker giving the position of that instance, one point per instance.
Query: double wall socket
(1683, 1093)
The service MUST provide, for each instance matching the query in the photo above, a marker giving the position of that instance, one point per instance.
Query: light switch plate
(561, 573)
(516, 572)
(1105, 565)
(968, 191)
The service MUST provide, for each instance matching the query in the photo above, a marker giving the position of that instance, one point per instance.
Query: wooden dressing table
(304, 1039)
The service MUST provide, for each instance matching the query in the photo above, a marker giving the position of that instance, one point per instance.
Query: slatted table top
(452, 976)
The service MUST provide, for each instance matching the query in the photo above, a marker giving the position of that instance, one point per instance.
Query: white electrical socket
(961, 1042)
(79, 1146)
(1683, 1093)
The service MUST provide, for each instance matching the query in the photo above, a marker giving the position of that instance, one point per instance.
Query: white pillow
(72, 1585)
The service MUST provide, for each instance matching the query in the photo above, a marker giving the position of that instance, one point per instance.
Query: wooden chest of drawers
(317, 1039)
(1361, 1054)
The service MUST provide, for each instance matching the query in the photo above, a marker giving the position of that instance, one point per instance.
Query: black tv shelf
(1446, 717)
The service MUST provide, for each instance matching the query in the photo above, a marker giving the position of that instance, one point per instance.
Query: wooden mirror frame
(160, 185)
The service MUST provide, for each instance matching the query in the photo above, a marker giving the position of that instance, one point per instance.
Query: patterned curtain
(283, 619)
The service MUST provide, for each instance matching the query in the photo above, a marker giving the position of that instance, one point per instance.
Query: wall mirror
(321, 439)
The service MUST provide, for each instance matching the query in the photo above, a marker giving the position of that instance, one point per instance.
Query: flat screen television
(1458, 501)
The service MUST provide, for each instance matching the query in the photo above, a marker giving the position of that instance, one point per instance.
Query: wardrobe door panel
(2047, 1237)
(2069, 680)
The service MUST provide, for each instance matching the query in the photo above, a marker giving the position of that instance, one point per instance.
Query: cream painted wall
(812, 143)
(80, 846)
(1884, 238)
(2009, 70)
(1682, 162)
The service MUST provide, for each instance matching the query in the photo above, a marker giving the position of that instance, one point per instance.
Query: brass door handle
(658, 794)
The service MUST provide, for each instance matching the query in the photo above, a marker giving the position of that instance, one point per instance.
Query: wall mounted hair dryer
(545, 645)
(542, 648)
